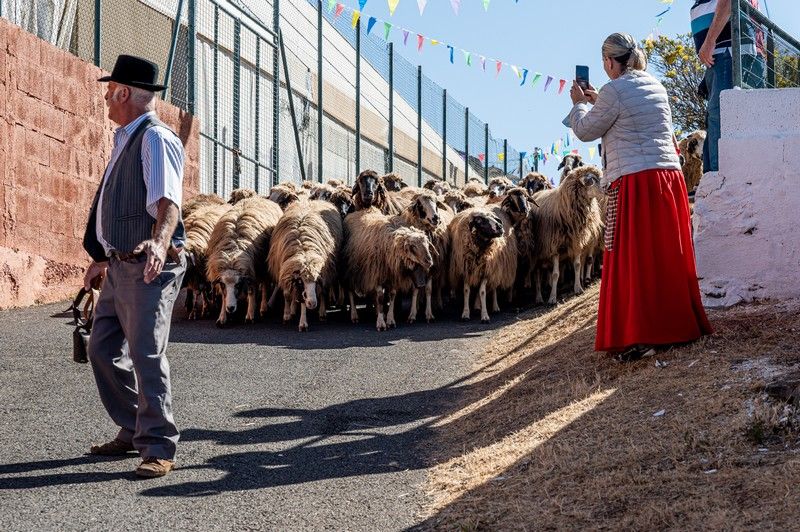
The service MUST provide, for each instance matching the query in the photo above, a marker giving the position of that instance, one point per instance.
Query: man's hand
(94, 270)
(577, 94)
(156, 257)
(706, 53)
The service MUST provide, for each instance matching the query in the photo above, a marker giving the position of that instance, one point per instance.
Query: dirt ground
(554, 435)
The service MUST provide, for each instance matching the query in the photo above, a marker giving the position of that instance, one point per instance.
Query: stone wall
(747, 237)
(55, 139)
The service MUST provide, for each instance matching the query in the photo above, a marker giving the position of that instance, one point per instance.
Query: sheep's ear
(563, 162)
(580, 163)
(682, 159)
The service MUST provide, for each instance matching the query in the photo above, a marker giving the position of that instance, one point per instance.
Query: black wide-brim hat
(135, 72)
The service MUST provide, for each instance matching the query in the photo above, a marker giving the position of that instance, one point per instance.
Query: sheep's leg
(223, 316)
(556, 273)
(495, 304)
(477, 305)
(589, 270)
(323, 309)
(340, 301)
(190, 303)
(578, 266)
(380, 325)
(428, 303)
(484, 307)
(273, 297)
(465, 313)
(287, 308)
(295, 306)
(439, 297)
(390, 321)
(353, 309)
(412, 315)
(527, 283)
(251, 306)
(262, 310)
(538, 283)
(303, 327)
(510, 298)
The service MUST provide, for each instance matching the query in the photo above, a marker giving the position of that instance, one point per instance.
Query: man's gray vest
(125, 222)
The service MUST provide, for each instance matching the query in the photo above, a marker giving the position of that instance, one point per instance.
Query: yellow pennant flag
(501, 156)
(591, 153)
(356, 14)
(434, 42)
(393, 6)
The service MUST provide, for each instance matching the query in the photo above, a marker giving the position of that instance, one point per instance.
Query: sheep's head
(516, 203)
(415, 254)
(308, 185)
(283, 195)
(234, 287)
(457, 201)
(588, 177)
(394, 182)
(498, 186)
(485, 227)
(369, 190)
(424, 207)
(694, 147)
(238, 194)
(438, 186)
(343, 202)
(335, 183)
(570, 163)
(535, 182)
(321, 192)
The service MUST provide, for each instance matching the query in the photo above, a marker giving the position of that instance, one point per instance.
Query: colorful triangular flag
(516, 70)
(547, 83)
(331, 5)
(561, 84)
(591, 152)
(467, 57)
(405, 37)
(421, 4)
(524, 76)
(420, 40)
(456, 5)
(498, 67)
(370, 23)
(361, 4)
(387, 28)
(501, 156)
(450, 49)
(483, 62)
(339, 11)
(356, 15)
(536, 77)
(393, 6)
(486, 5)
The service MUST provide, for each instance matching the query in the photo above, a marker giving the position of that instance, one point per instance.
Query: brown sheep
(382, 257)
(484, 253)
(199, 201)
(438, 186)
(284, 194)
(498, 187)
(199, 225)
(569, 163)
(370, 190)
(303, 256)
(335, 183)
(457, 201)
(237, 254)
(393, 182)
(692, 159)
(475, 187)
(238, 194)
(535, 182)
(320, 191)
(566, 225)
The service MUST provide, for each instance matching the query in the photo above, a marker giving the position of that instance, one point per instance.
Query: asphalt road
(280, 430)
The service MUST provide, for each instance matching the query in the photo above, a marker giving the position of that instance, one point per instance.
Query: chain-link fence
(221, 60)
(764, 55)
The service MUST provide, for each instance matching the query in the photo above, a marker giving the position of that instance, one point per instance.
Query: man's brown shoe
(154, 467)
(115, 447)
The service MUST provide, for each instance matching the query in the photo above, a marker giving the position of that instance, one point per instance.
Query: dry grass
(552, 435)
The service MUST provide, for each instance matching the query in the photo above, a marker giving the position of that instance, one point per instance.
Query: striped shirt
(702, 15)
(162, 168)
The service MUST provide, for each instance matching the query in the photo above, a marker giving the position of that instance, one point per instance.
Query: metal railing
(764, 55)
(291, 91)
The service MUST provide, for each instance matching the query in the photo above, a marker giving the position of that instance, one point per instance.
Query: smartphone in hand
(582, 76)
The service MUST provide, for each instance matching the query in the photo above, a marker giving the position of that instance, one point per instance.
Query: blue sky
(549, 36)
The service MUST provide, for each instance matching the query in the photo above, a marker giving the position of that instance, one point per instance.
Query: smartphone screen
(582, 76)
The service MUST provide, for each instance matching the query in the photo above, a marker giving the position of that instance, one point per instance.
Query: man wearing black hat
(135, 237)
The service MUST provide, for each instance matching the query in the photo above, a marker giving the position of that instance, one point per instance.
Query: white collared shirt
(162, 168)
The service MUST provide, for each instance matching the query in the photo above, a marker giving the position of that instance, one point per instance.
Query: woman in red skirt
(649, 296)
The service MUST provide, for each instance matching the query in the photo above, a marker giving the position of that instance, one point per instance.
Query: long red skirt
(649, 293)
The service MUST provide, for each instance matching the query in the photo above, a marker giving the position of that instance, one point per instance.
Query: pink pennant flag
(405, 37)
(421, 4)
(561, 84)
(481, 157)
(498, 67)
(393, 6)
(547, 83)
(420, 40)
(456, 5)
(339, 11)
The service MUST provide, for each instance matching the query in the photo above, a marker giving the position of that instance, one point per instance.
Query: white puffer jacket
(634, 119)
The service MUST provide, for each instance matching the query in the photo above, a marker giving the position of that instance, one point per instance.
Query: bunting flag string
(421, 4)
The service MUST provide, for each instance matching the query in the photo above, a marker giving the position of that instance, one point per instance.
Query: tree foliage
(676, 63)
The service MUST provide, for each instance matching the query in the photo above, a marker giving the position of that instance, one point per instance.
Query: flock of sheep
(319, 245)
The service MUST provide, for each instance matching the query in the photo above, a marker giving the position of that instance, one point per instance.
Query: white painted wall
(747, 236)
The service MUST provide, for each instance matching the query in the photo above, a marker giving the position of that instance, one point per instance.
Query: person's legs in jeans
(718, 78)
(753, 71)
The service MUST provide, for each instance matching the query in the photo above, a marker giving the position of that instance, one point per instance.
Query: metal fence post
(770, 60)
(520, 166)
(466, 145)
(237, 103)
(419, 126)
(216, 98)
(276, 94)
(257, 176)
(292, 113)
(390, 166)
(358, 96)
(736, 48)
(505, 158)
(444, 135)
(98, 15)
(486, 153)
(191, 53)
(319, 91)
(536, 159)
(173, 44)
